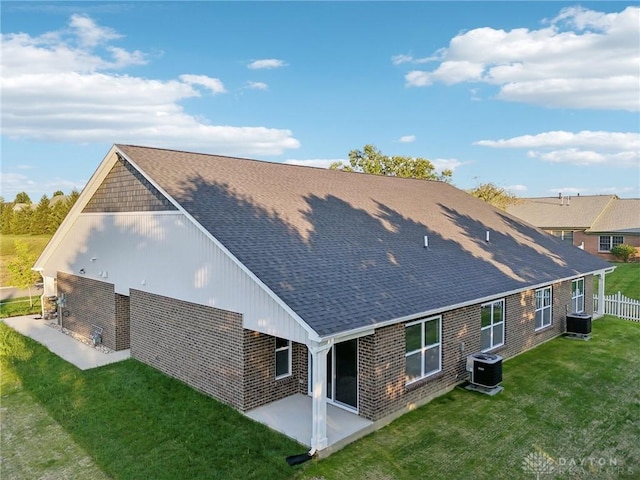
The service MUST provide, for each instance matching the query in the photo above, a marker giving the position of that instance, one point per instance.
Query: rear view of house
(254, 281)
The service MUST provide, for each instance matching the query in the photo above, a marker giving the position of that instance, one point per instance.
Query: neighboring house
(254, 281)
(595, 223)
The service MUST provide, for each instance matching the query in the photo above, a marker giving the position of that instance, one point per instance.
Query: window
(283, 358)
(566, 235)
(543, 307)
(492, 325)
(577, 295)
(607, 242)
(422, 348)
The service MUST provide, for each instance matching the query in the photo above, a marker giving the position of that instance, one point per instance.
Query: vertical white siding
(165, 254)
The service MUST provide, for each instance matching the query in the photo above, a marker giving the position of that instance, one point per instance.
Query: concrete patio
(66, 347)
(292, 417)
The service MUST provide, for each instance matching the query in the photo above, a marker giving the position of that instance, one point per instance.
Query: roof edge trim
(361, 331)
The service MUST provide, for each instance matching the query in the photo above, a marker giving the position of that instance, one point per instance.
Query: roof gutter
(369, 329)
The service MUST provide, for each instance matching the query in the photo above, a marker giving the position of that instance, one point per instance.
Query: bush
(624, 252)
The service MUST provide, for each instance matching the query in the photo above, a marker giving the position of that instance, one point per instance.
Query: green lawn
(569, 404)
(21, 306)
(565, 402)
(124, 421)
(625, 278)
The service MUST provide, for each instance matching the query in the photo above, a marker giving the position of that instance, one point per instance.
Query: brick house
(595, 223)
(254, 281)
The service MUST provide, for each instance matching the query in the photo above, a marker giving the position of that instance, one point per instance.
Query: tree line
(23, 217)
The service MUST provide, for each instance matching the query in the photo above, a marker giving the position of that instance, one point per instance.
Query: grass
(625, 278)
(21, 306)
(7, 251)
(575, 403)
(122, 421)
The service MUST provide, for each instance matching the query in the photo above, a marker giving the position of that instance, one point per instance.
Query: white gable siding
(166, 254)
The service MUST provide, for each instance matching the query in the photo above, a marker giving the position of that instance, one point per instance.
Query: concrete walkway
(66, 347)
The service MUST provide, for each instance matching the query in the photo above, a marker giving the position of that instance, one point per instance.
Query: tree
(22, 197)
(494, 195)
(41, 221)
(20, 273)
(624, 252)
(57, 193)
(373, 161)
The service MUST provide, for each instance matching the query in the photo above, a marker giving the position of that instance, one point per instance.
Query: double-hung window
(543, 307)
(283, 358)
(423, 347)
(577, 295)
(607, 242)
(492, 325)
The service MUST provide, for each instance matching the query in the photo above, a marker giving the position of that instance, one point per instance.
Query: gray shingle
(345, 250)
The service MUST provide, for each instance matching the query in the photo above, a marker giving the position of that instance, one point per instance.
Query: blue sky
(536, 97)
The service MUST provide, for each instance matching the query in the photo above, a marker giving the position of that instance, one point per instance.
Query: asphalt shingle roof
(579, 212)
(346, 250)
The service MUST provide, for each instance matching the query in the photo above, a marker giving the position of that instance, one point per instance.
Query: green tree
(22, 197)
(41, 221)
(21, 219)
(20, 273)
(624, 252)
(373, 161)
(6, 218)
(494, 195)
(57, 193)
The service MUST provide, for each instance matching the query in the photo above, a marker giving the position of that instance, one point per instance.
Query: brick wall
(199, 345)
(382, 387)
(123, 330)
(88, 302)
(260, 384)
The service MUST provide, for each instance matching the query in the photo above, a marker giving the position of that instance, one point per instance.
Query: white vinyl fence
(620, 306)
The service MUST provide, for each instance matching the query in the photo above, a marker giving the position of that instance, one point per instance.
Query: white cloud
(407, 139)
(582, 148)
(257, 85)
(403, 58)
(517, 188)
(213, 84)
(266, 63)
(315, 162)
(446, 164)
(583, 59)
(56, 87)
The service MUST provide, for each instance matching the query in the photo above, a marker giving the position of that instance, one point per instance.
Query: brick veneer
(382, 388)
(91, 302)
(208, 349)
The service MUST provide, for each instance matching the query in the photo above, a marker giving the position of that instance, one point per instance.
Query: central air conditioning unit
(579, 325)
(485, 372)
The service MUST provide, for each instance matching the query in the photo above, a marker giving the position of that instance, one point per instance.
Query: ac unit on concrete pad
(578, 324)
(485, 373)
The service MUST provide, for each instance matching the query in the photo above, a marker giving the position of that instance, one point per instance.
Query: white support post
(319, 352)
(600, 311)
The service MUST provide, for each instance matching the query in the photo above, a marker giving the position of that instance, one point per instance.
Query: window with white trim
(543, 307)
(423, 348)
(577, 295)
(607, 242)
(492, 325)
(283, 358)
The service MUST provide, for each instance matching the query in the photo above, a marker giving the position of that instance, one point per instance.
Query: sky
(539, 98)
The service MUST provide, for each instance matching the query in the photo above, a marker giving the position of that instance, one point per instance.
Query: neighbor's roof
(579, 212)
(621, 216)
(346, 250)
